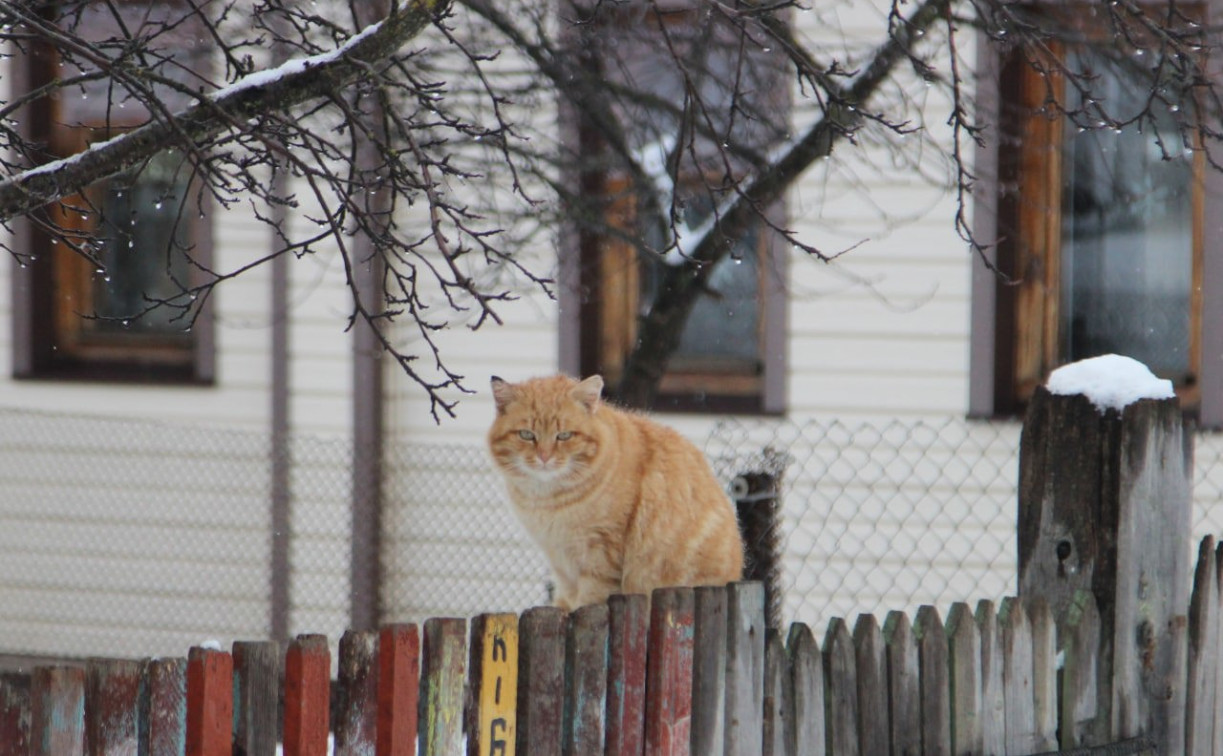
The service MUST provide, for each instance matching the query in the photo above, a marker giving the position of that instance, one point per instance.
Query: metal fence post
(758, 506)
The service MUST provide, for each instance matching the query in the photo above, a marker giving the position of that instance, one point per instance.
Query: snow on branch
(293, 83)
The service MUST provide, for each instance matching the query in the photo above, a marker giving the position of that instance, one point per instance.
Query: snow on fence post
(1104, 507)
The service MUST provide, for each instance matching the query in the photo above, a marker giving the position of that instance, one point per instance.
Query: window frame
(1014, 323)
(584, 346)
(41, 347)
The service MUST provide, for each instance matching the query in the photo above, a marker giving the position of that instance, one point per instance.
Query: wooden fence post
(307, 696)
(778, 707)
(870, 657)
(356, 716)
(210, 703)
(934, 671)
(841, 686)
(964, 668)
(57, 711)
(164, 707)
(585, 680)
(627, 636)
(398, 689)
(444, 665)
(257, 667)
(112, 706)
(493, 671)
(1104, 506)
(1203, 648)
(668, 719)
(14, 714)
(904, 691)
(745, 636)
(709, 671)
(541, 681)
(805, 733)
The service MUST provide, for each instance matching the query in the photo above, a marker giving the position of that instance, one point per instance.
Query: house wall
(135, 518)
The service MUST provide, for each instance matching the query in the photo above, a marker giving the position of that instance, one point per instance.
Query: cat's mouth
(544, 469)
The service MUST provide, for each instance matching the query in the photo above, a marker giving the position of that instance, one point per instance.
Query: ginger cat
(618, 503)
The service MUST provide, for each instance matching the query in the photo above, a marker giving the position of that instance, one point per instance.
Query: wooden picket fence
(692, 671)
(1107, 648)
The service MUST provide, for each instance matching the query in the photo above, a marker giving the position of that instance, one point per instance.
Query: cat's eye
(526, 435)
(564, 435)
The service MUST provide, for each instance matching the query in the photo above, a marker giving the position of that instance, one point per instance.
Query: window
(146, 230)
(695, 127)
(1100, 202)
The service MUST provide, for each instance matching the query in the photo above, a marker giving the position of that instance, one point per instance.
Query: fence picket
(14, 714)
(166, 712)
(57, 711)
(541, 681)
(585, 680)
(1081, 647)
(806, 734)
(840, 675)
(627, 634)
(934, 682)
(356, 720)
(443, 666)
(112, 706)
(307, 696)
(493, 671)
(1017, 670)
(1044, 673)
(1203, 624)
(709, 671)
(210, 703)
(903, 680)
(256, 697)
(398, 689)
(669, 672)
(993, 705)
(777, 707)
(745, 637)
(964, 659)
(870, 665)
(1217, 749)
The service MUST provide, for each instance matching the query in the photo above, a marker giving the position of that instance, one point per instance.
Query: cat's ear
(588, 392)
(503, 394)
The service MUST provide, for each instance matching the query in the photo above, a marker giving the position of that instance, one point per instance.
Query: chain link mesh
(130, 538)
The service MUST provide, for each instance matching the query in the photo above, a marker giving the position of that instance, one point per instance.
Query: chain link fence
(133, 538)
